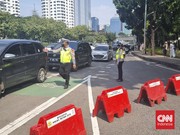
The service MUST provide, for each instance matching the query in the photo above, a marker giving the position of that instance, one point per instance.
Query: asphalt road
(26, 97)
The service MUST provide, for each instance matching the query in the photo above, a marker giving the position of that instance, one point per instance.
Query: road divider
(173, 85)
(113, 101)
(152, 91)
(65, 121)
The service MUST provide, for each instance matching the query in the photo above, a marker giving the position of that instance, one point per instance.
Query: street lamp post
(145, 16)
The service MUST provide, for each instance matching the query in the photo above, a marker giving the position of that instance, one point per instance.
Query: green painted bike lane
(52, 87)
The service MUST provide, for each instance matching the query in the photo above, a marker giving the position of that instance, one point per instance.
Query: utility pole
(145, 17)
(34, 12)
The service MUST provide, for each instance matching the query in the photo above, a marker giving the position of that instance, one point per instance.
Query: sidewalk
(167, 61)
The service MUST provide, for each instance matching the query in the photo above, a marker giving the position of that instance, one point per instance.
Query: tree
(46, 30)
(90, 38)
(131, 13)
(79, 32)
(162, 18)
(6, 24)
(100, 38)
(110, 37)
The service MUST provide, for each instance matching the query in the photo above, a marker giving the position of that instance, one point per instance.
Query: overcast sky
(102, 9)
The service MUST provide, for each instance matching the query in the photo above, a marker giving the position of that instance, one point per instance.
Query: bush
(159, 51)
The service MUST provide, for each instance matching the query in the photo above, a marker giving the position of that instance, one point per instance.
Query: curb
(171, 65)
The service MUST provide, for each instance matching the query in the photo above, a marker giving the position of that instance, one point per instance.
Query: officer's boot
(66, 83)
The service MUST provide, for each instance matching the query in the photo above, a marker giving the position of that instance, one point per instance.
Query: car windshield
(52, 45)
(2, 47)
(73, 45)
(101, 48)
(57, 46)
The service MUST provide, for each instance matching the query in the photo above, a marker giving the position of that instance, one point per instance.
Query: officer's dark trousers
(64, 71)
(120, 72)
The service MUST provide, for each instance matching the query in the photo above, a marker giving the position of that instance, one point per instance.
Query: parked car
(82, 55)
(128, 48)
(20, 61)
(52, 46)
(115, 46)
(102, 52)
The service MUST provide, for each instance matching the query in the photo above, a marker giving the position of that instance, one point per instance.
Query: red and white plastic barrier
(173, 85)
(65, 121)
(113, 101)
(152, 91)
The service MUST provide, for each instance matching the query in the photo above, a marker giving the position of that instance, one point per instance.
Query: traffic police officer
(67, 57)
(120, 55)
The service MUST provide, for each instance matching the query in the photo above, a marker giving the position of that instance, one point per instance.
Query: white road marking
(111, 64)
(94, 77)
(28, 116)
(24, 118)
(95, 126)
(102, 78)
(149, 63)
(101, 71)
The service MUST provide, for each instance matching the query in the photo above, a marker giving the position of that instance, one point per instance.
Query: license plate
(54, 60)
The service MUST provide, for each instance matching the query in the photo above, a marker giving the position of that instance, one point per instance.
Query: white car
(102, 52)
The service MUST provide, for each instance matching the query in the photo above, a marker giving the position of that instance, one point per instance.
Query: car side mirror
(8, 55)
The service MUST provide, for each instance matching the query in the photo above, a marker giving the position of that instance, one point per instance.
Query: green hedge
(159, 51)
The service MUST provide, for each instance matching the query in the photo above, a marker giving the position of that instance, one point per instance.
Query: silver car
(102, 52)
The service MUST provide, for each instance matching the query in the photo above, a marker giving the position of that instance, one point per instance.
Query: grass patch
(159, 51)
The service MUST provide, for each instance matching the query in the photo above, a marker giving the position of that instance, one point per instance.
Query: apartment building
(59, 10)
(11, 6)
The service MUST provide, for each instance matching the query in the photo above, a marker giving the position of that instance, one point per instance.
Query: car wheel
(112, 58)
(108, 59)
(50, 68)
(2, 90)
(41, 76)
(89, 62)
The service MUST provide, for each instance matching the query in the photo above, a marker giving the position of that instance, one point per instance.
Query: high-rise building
(95, 24)
(83, 12)
(107, 28)
(11, 6)
(116, 25)
(59, 10)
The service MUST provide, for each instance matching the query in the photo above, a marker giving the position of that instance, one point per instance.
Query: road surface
(19, 109)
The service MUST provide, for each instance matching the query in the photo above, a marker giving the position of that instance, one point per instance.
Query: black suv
(20, 61)
(82, 54)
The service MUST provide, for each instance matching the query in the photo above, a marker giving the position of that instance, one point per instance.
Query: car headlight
(93, 53)
(105, 54)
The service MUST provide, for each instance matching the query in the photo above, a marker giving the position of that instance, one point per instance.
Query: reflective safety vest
(66, 56)
(120, 54)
